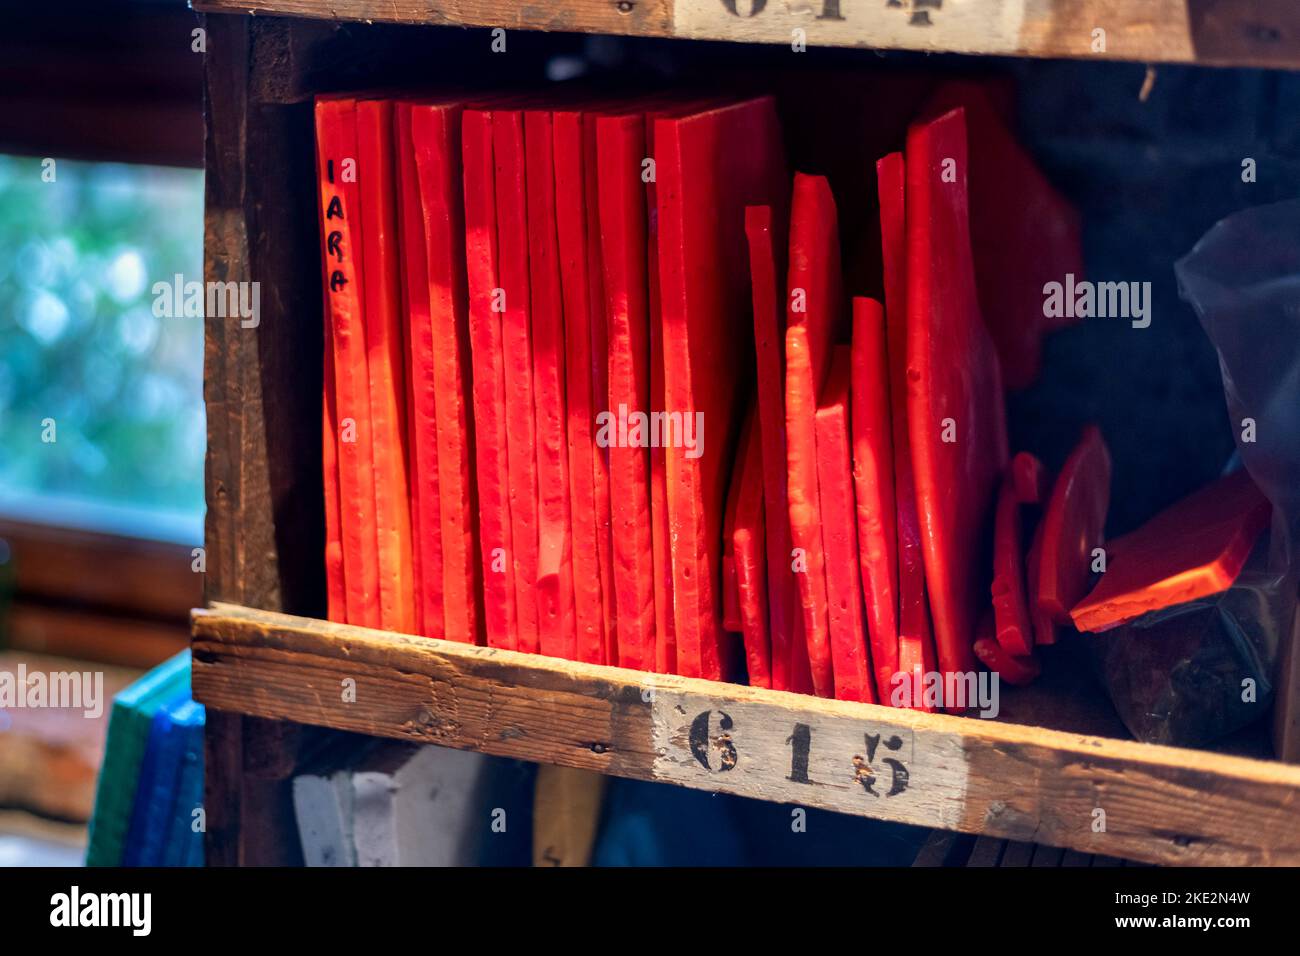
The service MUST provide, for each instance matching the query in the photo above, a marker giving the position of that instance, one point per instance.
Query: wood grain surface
(1049, 787)
(1221, 32)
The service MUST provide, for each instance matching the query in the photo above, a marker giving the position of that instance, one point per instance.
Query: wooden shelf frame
(1157, 804)
(1211, 32)
(271, 680)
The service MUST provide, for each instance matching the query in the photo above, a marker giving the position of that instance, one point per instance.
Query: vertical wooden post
(262, 382)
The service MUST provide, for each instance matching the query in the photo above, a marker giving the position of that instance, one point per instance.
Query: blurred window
(101, 412)
(101, 406)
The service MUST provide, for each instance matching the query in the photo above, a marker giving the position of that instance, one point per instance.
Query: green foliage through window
(80, 345)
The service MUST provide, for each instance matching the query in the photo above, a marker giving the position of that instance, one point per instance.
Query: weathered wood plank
(262, 377)
(223, 766)
(1092, 794)
(636, 17)
(945, 848)
(1017, 854)
(986, 852)
(1220, 32)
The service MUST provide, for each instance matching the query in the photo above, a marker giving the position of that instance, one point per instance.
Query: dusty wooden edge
(237, 627)
(1159, 804)
(1217, 32)
(624, 17)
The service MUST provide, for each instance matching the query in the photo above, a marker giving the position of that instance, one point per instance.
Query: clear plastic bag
(1243, 280)
(1195, 672)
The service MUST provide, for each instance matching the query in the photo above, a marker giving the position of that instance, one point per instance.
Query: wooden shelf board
(1218, 32)
(1001, 779)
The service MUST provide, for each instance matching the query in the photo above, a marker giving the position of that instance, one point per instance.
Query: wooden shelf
(1040, 774)
(1001, 779)
(1217, 32)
